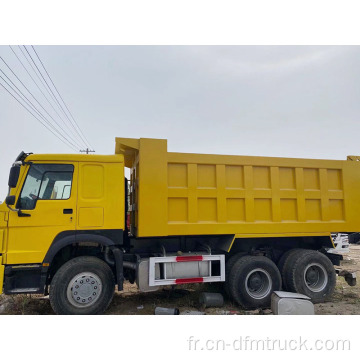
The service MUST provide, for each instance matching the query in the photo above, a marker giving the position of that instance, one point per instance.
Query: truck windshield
(46, 182)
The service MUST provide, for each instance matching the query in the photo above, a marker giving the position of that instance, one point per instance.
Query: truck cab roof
(119, 158)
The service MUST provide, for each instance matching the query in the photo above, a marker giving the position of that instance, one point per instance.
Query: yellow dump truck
(73, 227)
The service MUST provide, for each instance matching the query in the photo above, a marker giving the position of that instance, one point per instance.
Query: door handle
(67, 211)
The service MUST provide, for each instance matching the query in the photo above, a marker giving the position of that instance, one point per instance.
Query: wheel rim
(315, 277)
(258, 283)
(84, 289)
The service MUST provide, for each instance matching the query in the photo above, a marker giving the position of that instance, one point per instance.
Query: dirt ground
(345, 301)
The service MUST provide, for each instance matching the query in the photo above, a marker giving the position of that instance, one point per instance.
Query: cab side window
(55, 185)
(46, 182)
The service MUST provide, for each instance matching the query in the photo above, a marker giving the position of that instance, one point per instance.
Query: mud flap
(350, 277)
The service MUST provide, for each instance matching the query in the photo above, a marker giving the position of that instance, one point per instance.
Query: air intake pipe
(110, 260)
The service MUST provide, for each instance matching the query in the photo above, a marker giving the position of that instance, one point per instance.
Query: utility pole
(87, 150)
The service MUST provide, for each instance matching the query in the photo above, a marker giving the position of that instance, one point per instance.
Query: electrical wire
(45, 84)
(81, 133)
(27, 71)
(73, 140)
(31, 105)
(35, 116)
(75, 134)
(52, 93)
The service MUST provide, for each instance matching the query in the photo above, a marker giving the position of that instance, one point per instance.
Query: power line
(38, 76)
(73, 140)
(75, 133)
(84, 138)
(21, 95)
(57, 101)
(22, 64)
(34, 115)
(78, 132)
(48, 89)
(31, 105)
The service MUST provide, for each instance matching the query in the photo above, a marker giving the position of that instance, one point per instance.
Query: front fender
(103, 237)
(111, 238)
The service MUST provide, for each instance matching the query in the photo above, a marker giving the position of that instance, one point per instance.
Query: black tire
(228, 266)
(90, 274)
(283, 259)
(287, 266)
(252, 281)
(311, 273)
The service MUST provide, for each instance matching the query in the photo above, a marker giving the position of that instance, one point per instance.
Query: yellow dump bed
(198, 194)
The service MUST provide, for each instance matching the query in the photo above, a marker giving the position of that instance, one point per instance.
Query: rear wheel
(310, 273)
(284, 258)
(252, 281)
(82, 286)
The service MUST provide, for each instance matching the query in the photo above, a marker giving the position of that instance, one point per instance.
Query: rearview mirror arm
(20, 213)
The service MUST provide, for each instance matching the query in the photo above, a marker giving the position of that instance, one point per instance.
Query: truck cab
(52, 198)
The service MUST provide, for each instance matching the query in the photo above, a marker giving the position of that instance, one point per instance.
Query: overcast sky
(291, 101)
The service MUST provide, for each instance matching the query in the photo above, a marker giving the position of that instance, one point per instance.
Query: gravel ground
(345, 301)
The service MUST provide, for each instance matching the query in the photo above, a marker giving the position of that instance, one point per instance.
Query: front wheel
(82, 286)
(252, 281)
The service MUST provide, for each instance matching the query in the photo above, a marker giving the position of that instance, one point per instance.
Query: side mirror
(10, 200)
(14, 176)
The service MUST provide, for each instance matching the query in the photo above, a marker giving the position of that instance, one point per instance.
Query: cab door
(48, 202)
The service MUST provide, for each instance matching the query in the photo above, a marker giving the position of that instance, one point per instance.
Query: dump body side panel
(258, 195)
(196, 194)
